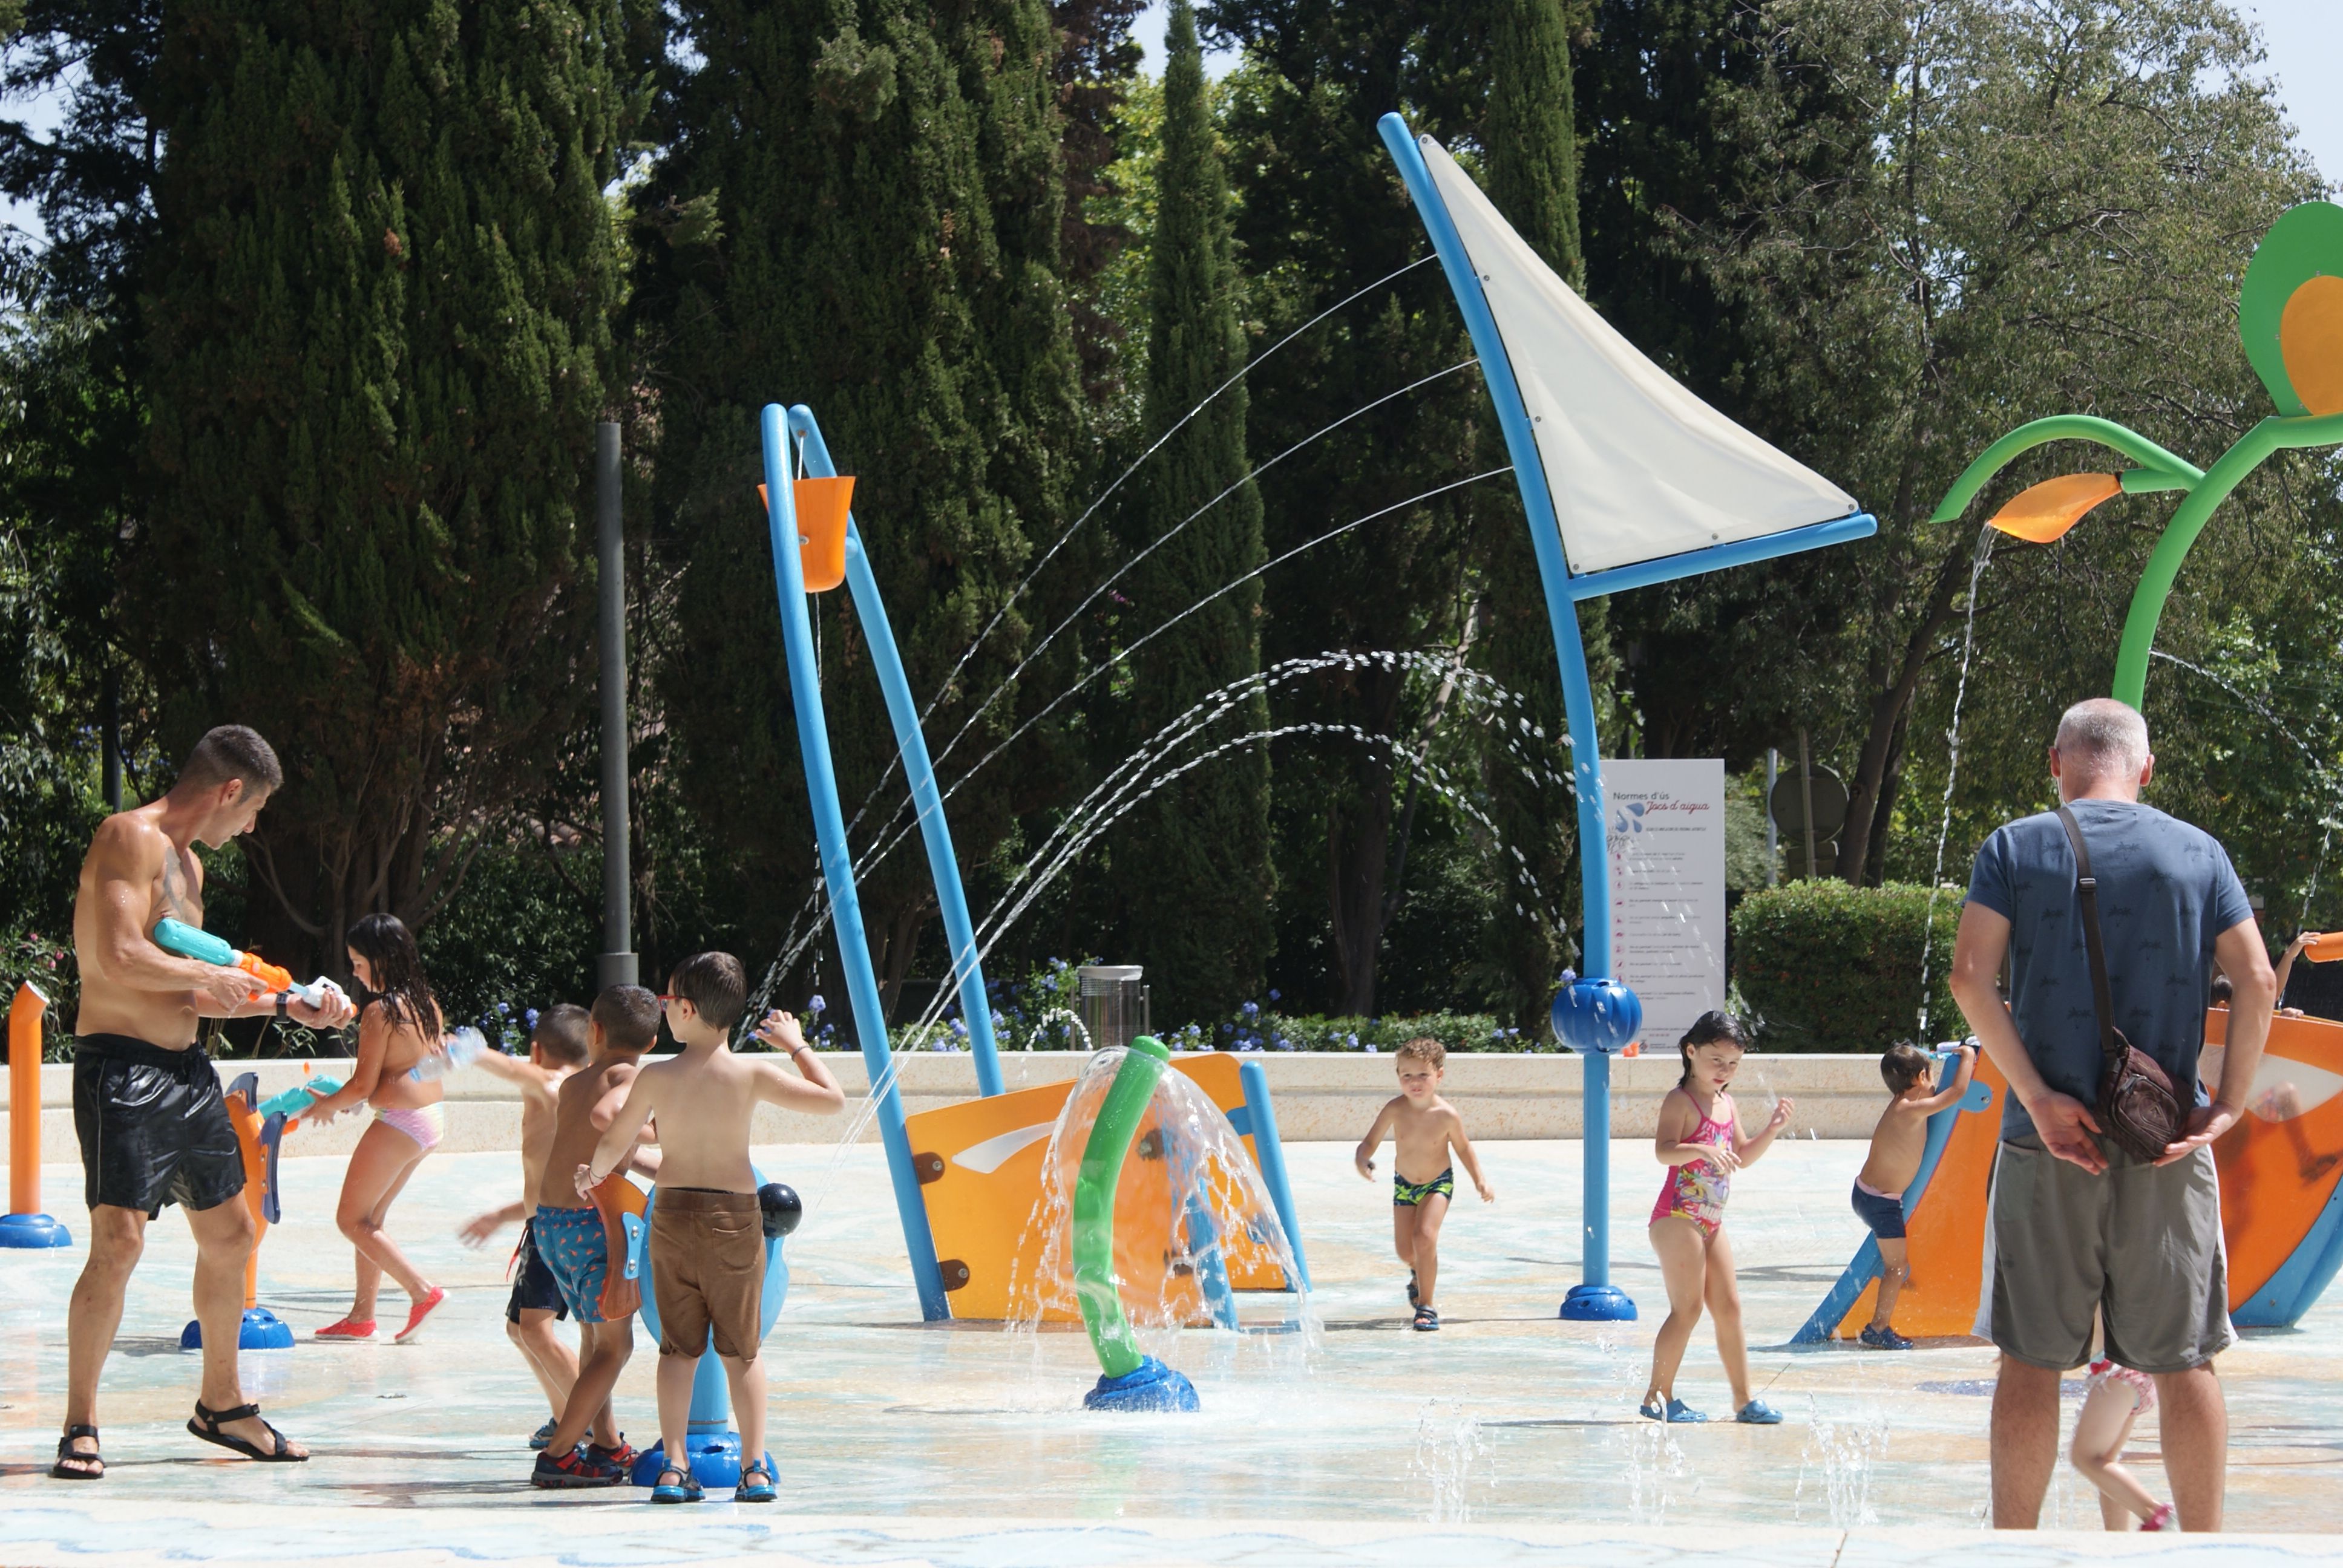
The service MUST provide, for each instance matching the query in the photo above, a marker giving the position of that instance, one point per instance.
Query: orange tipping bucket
(823, 506)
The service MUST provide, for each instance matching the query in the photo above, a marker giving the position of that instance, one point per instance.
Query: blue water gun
(193, 942)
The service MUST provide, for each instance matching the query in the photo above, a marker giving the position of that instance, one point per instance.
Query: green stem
(2166, 472)
(1118, 1122)
(2252, 449)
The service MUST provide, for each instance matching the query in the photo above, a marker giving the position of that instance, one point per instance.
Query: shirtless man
(707, 1238)
(153, 1126)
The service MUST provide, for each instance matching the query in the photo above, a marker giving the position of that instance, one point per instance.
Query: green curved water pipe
(2159, 471)
(1117, 1124)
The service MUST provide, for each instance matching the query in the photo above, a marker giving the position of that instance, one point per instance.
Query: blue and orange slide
(2281, 1170)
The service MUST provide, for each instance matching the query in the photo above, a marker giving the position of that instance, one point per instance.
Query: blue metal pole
(943, 866)
(838, 864)
(1595, 1298)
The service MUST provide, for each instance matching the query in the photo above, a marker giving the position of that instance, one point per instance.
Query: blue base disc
(1597, 1304)
(33, 1231)
(714, 1458)
(1150, 1385)
(262, 1329)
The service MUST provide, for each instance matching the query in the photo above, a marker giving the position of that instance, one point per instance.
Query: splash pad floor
(1508, 1437)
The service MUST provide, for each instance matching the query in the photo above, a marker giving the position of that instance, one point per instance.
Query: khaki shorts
(2140, 1244)
(708, 1272)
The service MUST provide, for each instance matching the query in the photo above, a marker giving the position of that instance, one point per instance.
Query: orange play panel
(979, 1164)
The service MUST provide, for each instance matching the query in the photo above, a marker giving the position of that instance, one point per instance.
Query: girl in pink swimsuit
(398, 1025)
(1701, 1143)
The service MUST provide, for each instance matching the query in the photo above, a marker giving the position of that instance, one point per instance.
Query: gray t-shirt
(2165, 891)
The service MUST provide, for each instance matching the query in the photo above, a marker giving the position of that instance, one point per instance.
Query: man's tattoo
(179, 892)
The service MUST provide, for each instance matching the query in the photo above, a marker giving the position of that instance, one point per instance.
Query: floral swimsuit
(1696, 1189)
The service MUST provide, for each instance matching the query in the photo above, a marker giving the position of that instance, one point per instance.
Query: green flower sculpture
(2290, 314)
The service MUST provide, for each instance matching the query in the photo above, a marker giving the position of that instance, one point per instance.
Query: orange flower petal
(2310, 339)
(2043, 512)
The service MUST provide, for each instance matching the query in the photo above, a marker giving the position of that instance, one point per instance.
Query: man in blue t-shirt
(2077, 1227)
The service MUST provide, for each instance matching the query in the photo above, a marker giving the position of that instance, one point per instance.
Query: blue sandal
(762, 1491)
(1678, 1414)
(1757, 1413)
(543, 1435)
(688, 1493)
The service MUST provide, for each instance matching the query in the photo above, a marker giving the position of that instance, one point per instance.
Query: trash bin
(1114, 1003)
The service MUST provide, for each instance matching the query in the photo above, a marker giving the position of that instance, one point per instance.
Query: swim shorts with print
(1407, 1194)
(577, 1252)
(534, 1287)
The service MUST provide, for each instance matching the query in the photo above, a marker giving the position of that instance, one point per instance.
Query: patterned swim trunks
(1407, 1194)
(576, 1250)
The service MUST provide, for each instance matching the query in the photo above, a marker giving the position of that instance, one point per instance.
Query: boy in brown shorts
(708, 1238)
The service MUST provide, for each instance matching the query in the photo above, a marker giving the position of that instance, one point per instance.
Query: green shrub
(1829, 967)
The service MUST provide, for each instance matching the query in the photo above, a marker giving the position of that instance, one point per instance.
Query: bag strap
(2087, 886)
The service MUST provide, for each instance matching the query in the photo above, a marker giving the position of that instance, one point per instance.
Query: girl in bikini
(399, 1024)
(1701, 1143)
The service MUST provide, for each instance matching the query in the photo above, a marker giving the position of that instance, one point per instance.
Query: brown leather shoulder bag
(2138, 1109)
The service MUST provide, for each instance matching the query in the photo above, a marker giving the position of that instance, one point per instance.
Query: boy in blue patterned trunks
(571, 1241)
(1430, 1134)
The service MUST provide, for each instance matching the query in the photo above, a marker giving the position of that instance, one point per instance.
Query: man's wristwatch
(283, 1004)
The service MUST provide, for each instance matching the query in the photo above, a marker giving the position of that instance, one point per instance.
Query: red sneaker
(623, 1456)
(575, 1469)
(420, 1311)
(2159, 1520)
(346, 1330)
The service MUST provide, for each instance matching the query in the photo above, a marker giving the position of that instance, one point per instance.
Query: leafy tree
(2043, 211)
(382, 283)
(1199, 904)
(1322, 214)
(1531, 141)
(860, 208)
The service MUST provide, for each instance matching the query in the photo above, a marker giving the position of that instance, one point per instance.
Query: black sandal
(58, 1471)
(207, 1426)
(1426, 1320)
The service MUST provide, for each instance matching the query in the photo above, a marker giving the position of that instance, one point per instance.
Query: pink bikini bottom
(425, 1126)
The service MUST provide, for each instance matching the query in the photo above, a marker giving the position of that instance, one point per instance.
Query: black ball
(782, 1210)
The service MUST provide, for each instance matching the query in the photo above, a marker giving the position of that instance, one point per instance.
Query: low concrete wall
(1329, 1097)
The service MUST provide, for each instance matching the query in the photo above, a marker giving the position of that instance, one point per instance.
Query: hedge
(1824, 966)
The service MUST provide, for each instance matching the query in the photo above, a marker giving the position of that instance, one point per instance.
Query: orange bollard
(25, 1226)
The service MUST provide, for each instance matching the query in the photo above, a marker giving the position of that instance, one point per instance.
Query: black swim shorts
(533, 1286)
(154, 1126)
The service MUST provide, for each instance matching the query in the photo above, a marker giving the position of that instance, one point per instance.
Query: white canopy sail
(1638, 467)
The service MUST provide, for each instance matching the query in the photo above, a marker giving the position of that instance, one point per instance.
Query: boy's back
(573, 1133)
(704, 1111)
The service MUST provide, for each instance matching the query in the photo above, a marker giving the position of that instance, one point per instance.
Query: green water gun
(297, 1099)
(193, 942)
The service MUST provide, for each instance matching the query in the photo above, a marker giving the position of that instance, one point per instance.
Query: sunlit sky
(2303, 39)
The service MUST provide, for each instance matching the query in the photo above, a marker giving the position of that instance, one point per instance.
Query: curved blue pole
(838, 865)
(1595, 1297)
(943, 866)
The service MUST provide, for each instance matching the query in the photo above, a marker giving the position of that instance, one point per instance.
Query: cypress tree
(861, 209)
(1531, 144)
(1199, 895)
(379, 329)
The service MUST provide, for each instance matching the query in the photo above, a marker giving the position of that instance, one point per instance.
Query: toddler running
(568, 1232)
(398, 1025)
(708, 1230)
(1701, 1143)
(2116, 1397)
(1897, 1144)
(1429, 1134)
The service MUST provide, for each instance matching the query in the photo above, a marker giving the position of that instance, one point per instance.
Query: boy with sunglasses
(708, 1238)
